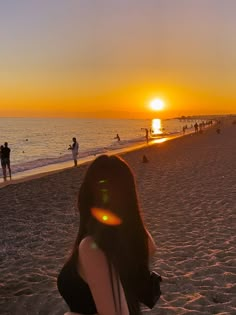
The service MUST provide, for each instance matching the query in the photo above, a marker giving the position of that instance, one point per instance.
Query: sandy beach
(187, 193)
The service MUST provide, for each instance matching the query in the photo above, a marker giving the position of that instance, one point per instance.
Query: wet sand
(187, 193)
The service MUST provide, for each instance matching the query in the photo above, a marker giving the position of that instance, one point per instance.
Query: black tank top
(75, 290)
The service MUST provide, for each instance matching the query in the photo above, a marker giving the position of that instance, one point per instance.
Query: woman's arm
(94, 268)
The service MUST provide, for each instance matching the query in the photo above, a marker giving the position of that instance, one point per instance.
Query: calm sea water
(37, 142)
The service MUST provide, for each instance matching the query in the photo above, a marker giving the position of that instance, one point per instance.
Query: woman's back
(111, 252)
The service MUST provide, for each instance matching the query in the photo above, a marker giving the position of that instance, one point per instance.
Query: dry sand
(188, 195)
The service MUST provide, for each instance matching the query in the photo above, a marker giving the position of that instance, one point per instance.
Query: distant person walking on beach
(146, 134)
(75, 150)
(117, 137)
(5, 160)
(1, 153)
(196, 127)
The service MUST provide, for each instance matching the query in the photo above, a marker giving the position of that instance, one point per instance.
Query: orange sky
(110, 58)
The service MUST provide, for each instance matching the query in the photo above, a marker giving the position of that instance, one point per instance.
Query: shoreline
(37, 172)
(58, 167)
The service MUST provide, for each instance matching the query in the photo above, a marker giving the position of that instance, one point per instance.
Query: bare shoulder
(95, 268)
(90, 252)
(87, 243)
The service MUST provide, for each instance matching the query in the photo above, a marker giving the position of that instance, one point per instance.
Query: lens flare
(105, 216)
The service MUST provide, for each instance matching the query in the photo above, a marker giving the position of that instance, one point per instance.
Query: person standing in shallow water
(111, 235)
(117, 137)
(146, 135)
(75, 150)
(5, 160)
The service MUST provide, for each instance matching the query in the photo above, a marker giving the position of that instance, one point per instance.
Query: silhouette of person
(196, 127)
(1, 157)
(75, 150)
(5, 160)
(146, 135)
(117, 137)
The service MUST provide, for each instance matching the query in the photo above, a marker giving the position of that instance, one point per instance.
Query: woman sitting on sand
(108, 271)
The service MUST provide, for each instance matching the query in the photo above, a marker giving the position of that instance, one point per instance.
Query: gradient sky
(64, 57)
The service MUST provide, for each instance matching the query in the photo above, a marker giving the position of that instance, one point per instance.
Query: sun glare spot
(157, 104)
(105, 216)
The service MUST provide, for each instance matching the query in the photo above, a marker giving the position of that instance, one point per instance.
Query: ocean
(40, 142)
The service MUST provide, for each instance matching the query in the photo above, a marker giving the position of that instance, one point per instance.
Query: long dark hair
(109, 184)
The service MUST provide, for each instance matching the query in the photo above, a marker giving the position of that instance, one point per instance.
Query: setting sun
(157, 104)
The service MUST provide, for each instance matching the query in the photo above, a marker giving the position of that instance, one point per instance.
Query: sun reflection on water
(156, 129)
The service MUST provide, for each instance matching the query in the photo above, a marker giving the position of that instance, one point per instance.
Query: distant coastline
(109, 114)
